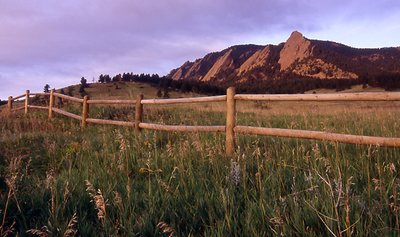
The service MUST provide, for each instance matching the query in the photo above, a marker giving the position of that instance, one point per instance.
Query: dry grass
(177, 184)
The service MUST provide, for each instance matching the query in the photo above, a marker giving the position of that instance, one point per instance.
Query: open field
(107, 180)
(122, 90)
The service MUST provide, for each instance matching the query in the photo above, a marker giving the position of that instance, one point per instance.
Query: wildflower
(234, 175)
(309, 177)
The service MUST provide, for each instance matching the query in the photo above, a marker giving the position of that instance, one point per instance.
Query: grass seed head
(377, 184)
(117, 198)
(13, 174)
(166, 229)
(8, 231)
(99, 201)
(50, 178)
(71, 231)
(390, 167)
(42, 232)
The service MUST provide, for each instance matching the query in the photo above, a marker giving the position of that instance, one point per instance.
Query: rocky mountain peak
(295, 35)
(296, 48)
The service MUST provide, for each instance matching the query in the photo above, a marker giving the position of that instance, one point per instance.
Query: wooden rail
(18, 109)
(68, 114)
(68, 97)
(185, 100)
(107, 102)
(181, 128)
(38, 107)
(17, 97)
(110, 122)
(367, 96)
(317, 135)
(230, 128)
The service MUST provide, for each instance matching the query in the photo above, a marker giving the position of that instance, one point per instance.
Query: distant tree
(117, 78)
(84, 83)
(166, 93)
(46, 88)
(82, 91)
(107, 78)
(101, 78)
(159, 93)
(83, 86)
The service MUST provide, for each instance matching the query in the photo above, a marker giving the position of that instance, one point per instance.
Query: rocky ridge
(297, 57)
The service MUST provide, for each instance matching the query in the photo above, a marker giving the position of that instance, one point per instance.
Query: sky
(58, 42)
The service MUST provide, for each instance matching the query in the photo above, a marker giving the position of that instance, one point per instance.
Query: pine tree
(46, 88)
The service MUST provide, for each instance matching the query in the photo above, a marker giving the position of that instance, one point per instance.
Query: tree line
(288, 84)
(164, 83)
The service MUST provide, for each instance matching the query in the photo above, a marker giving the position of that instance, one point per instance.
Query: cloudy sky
(58, 42)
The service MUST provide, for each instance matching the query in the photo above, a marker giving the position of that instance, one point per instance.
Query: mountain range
(299, 60)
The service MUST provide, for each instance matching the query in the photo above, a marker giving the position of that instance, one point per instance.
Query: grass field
(59, 180)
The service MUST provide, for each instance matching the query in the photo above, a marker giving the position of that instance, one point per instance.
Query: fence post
(26, 101)
(51, 103)
(138, 112)
(230, 121)
(85, 109)
(9, 104)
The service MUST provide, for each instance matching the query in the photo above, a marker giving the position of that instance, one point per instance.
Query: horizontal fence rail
(181, 128)
(230, 128)
(66, 97)
(68, 114)
(318, 135)
(38, 107)
(110, 122)
(185, 100)
(17, 97)
(104, 102)
(366, 96)
(17, 109)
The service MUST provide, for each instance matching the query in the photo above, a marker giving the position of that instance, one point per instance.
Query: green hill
(124, 90)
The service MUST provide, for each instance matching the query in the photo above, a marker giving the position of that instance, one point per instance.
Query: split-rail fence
(230, 128)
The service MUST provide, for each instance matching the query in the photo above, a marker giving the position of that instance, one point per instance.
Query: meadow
(60, 180)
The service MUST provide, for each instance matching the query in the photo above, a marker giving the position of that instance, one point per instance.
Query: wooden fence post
(230, 122)
(9, 104)
(138, 112)
(51, 103)
(26, 101)
(85, 109)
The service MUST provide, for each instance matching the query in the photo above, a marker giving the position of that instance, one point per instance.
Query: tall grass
(59, 180)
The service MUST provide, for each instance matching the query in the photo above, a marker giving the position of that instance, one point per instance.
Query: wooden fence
(230, 128)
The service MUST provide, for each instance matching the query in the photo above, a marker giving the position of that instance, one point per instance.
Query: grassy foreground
(59, 180)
